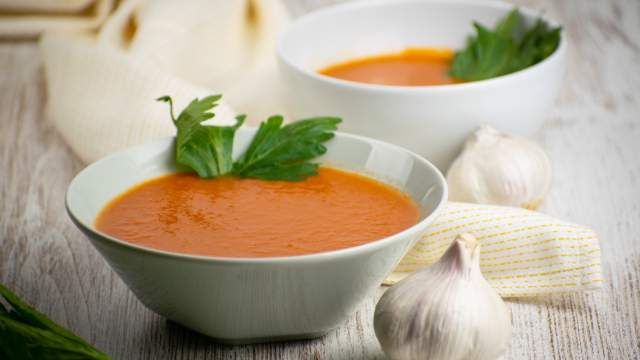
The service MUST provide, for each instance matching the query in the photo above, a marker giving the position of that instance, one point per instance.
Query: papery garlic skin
(447, 311)
(500, 169)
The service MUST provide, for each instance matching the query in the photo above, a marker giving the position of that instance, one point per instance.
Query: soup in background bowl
(256, 299)
(410, 67)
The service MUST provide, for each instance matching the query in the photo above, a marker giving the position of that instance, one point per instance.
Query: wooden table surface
(592, 137)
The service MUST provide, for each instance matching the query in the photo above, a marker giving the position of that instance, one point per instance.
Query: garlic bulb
(500, 169)
(446, 311)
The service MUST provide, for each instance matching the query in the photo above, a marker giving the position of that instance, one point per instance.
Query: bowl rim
(312, 257)
(353, 85)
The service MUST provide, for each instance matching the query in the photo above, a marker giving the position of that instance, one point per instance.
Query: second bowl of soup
(382, 66)
(246, 260)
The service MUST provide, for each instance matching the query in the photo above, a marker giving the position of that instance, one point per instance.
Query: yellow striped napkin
(523, 252)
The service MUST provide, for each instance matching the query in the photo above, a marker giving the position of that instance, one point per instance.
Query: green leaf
(508, 48)
(26, 333)
(204, 148)
(32, 317)
(276, 152)
(22, 341)
(536, 45)
(511, 26)
(282, 152)
(3, 310)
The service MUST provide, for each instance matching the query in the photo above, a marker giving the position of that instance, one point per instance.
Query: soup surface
(411, 67)
(235, 217)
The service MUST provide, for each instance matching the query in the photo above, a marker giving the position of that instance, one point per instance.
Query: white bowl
(243, 300)
(430, 120)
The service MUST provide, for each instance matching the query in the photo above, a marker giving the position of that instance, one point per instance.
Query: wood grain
(592, 137)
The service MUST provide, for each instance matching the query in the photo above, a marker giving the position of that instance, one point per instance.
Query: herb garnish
(281, 152)
(26, 333)
(205, 149)
(276, 152)
(509, 47)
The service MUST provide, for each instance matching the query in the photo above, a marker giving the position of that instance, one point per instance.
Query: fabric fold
(101, 87)
(29, 18)
(107, 102)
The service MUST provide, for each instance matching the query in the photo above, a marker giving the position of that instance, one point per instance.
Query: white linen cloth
(29, 18)
(101, 86)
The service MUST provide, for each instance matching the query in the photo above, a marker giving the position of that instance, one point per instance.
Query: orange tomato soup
(411, 67)
(235, 217)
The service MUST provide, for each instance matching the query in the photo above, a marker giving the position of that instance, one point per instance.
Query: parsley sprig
(509, 47)
(26, 333)
(276, 152)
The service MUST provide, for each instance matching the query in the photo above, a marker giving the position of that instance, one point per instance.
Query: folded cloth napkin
(101, 85)
(523, 253)
(28, 18)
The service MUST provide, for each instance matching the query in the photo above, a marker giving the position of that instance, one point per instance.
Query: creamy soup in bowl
(234, 217)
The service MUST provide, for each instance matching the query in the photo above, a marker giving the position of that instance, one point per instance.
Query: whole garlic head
(446, 311)
(500, 169)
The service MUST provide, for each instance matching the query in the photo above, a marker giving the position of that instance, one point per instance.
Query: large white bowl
(430, 120)
(242, 300)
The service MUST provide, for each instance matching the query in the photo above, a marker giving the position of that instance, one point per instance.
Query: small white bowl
(244, 300)
(430, 120)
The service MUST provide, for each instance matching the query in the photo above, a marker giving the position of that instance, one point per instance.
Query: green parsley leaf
(26, 333)
(204, 148)
(282, 152)
(508, 48)
(276, 152)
